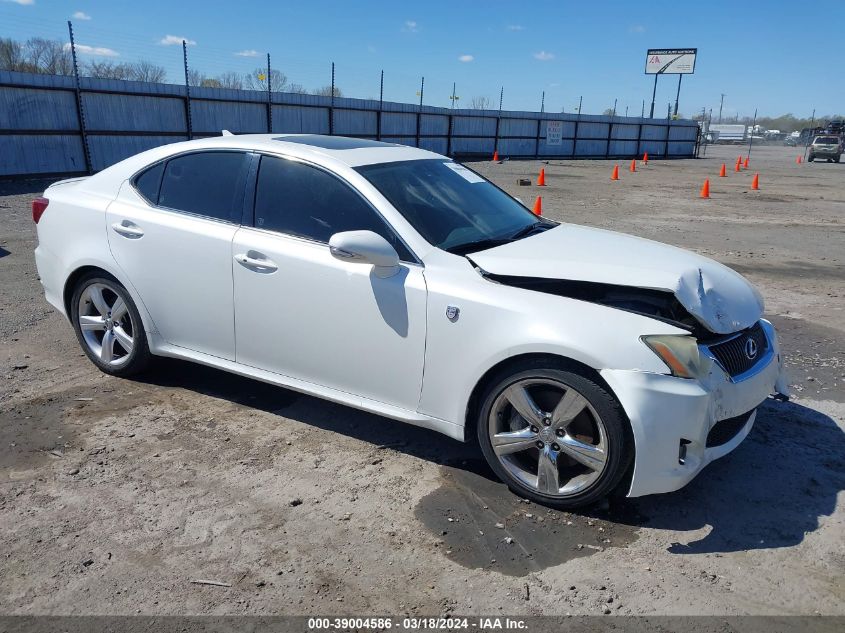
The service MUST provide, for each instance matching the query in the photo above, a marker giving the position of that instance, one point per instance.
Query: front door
(304, 314)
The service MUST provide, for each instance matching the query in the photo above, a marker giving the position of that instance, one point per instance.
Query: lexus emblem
(751, 349)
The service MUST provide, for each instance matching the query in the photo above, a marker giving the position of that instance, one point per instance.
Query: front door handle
(256, 262)
(128, 229)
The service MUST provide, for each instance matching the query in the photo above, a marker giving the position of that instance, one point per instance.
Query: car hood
(721, 299)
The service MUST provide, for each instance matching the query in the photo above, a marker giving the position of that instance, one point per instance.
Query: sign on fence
(554, 132)
(670, 61)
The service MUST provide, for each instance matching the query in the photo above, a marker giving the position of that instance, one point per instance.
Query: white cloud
(636, 28)
(543, 56)
(94, 51)
(466, 58)
(515, 27)
(24, 2)
(247, 53)
(81, 15)
(171, 40)
(411, 26)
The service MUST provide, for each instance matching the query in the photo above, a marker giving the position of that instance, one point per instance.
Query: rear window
(210, 184)
(826, 140)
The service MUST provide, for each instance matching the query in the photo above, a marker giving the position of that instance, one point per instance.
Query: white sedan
(397, 281)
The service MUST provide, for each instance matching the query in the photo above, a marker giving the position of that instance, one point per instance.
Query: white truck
(728, 133)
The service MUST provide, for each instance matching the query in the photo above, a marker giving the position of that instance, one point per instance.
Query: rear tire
(108, 325)
(568, 445)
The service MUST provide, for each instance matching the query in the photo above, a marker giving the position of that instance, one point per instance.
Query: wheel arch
(521, 360)
(86, 268)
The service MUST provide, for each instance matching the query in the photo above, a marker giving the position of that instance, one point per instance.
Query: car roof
(329, 151)
(350, 151)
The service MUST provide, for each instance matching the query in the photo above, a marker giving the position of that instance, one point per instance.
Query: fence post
(639, 137)
(419, 111)
(609, 136)
(577, 121)
(80, 109)
(668, 125)
(539, 125)
(331, 106)
(498, 120)
(188, 123)
(449, 137)
(380, 106)
(269, 98)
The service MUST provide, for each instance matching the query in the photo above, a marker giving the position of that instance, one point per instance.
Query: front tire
(108, 325)
(554, 435)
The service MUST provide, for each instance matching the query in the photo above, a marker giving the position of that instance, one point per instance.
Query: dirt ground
(116, 494)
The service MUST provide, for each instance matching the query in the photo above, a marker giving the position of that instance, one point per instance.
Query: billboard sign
(554, 132)
(670, 61)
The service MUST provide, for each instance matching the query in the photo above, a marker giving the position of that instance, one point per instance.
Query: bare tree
(195, 77)
(50, 57)
(231, 80)
(106, 70)
(326, 91)
(11, 55)
(480, 103)
(296, 89)
(257, 80)
(148, 71)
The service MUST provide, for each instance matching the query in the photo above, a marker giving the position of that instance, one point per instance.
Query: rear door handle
(128, 229)
(256, 261)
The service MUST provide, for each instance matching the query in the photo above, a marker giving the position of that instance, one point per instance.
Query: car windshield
(826, 140)
(451, 206)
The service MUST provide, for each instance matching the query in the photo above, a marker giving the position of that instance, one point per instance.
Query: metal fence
(57, 125)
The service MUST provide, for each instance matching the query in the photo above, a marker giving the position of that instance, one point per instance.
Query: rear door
(171, 231)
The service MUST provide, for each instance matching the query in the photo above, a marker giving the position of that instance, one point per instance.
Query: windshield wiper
(531, 228)
(477, 245)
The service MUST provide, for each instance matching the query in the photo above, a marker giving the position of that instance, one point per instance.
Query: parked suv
(829, 147)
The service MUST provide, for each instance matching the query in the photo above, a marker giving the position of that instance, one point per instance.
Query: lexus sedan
(397, 281)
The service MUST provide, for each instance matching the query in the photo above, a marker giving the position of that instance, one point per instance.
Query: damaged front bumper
(681, 425)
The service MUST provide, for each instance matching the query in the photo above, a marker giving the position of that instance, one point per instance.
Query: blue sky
(758, 53)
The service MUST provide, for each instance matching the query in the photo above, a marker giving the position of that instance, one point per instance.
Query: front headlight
(680, 353)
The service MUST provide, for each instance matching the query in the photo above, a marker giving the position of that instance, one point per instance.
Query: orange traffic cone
(633, 164)
(541, 180)
(797, 160)
(705, 190)
(723, 171)
(738, 165)
(645, 158)
(745, 163)
(495, 156)
(755, 184)
(538, 206)
(615, 174)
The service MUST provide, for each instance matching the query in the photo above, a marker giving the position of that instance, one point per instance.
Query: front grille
(732, 354)
(725, 430)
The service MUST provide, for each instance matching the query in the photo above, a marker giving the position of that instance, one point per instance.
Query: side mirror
(365, 247)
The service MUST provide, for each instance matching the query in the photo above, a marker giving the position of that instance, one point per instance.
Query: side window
(302, 200)
(148, 183)
(206, 183)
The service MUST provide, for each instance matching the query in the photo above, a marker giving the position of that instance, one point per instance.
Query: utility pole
(721, 103)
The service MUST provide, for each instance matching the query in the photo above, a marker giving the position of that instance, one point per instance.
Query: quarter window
(206, 183)
(149, 182)
(298, 199)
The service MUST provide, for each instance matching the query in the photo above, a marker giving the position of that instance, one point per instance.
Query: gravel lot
(115, 495)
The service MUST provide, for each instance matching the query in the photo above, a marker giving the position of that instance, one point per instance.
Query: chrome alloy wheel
(106, 324)
(548, 436)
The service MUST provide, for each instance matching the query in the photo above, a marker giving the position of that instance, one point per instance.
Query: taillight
(39, 206)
